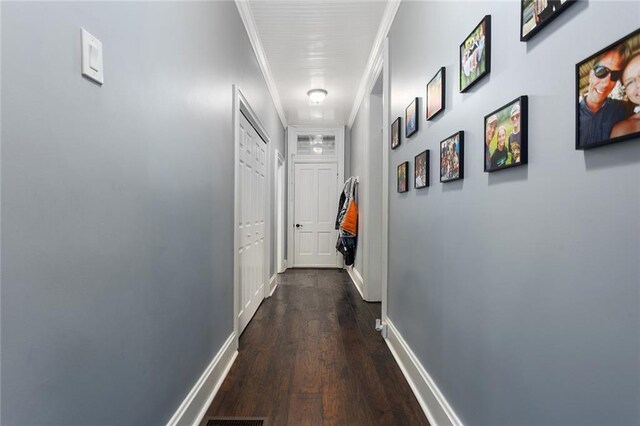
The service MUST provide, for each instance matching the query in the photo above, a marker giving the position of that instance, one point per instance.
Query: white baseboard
(283, 267)
(357, 279)
(433, 403)
(195, 405)
(272, 284)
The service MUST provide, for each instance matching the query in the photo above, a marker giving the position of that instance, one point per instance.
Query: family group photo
(505, 139)
(534, 14)
(451, 158)
(475, 55)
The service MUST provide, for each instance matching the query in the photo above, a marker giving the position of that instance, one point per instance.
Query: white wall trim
(195, 405)
(365, 108)
(269, 217)
(0, 175)
(242, 107)
(369, 75)
(365, 208)
(279, 170)
(386, 114)
(357, 280)
(272, 286)
(254, 37)
(293, 159)
(433, 403)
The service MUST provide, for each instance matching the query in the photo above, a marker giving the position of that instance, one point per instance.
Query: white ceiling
(316, 44)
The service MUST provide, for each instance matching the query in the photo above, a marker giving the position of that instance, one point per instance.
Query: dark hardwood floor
(311, 356)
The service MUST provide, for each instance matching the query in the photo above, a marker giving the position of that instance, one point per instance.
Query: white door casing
(252, 223)
(370, 244)
(242, 112)
(279, 178)
(297, 156)
(315, 214)
(386, 113)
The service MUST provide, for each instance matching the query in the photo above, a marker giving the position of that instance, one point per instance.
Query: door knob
(298, 225)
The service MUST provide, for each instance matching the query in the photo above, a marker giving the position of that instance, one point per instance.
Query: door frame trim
(363, 244)
(281, 225)
(379, 65)
(292, 159)
(386, 137)
(242, 106)
(339, 259)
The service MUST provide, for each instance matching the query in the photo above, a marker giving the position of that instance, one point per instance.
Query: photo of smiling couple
(609, 94)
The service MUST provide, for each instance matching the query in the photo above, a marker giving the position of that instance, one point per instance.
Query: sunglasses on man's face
(603, 72)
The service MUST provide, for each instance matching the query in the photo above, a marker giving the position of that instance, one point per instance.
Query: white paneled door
(251, 221)
(315, 209)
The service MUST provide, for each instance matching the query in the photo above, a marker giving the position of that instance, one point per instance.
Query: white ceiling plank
(318, 44)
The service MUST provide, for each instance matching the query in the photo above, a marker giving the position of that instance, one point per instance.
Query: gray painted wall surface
(518, 290)
(117, 205)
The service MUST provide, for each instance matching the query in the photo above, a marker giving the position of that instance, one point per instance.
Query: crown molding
(373, 64)
(254, 37)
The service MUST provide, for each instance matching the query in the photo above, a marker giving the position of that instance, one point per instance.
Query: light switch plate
(92, 64)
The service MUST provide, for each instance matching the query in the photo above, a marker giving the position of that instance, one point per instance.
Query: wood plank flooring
(311, 356)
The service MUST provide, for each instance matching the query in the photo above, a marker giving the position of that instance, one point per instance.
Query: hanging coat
(347, 222)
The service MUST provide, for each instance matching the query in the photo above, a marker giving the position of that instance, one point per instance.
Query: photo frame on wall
(403, 177)
(395, 133)
(505, 136)
(452, 158)
(536, 14)
(421, 170)
(475, 55)
(608, 94)
(411, 118)
(435, 94)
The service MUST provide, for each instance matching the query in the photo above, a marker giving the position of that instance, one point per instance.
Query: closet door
(251, 221)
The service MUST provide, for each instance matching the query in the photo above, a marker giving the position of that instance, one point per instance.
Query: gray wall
(518, 290)
(117, 205)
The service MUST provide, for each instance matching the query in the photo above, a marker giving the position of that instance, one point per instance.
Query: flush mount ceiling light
(317, 95)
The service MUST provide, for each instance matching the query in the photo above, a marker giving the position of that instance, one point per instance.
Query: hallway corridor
(311, 356)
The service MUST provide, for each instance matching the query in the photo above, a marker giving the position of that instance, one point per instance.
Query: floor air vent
(235, 421)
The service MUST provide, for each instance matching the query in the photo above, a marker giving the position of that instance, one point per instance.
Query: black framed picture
(403, 177)
(421, 170)
(475, 55)
(435, 94)
(505, 136)
(411, 118)
(535, 14)
(608, 94)
(452, 157)
(395, 133)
